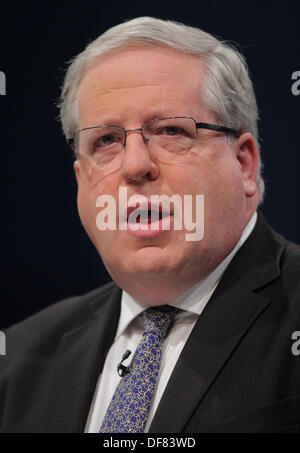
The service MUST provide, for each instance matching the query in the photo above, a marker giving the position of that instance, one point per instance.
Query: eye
(172, 130)
(107, 140)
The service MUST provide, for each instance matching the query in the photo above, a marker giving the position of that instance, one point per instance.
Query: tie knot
(158, 320)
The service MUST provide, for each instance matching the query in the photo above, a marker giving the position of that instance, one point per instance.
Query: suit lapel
(213, 339)
(232, 310)
(78, 364)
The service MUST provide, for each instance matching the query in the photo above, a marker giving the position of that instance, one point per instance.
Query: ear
(246, 152)
(76, 167)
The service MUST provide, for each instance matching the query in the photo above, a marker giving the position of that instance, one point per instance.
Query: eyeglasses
(101, 145)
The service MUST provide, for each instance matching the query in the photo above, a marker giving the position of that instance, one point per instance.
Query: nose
(138, 129)
(137, 164)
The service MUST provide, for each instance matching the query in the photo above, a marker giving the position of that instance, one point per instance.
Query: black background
(46, 255)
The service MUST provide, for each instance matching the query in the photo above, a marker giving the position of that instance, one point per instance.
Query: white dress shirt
(130, 331)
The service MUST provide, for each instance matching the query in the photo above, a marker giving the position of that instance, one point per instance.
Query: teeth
(144, 216)
(164, 214)
(154, 216)
(147, 215)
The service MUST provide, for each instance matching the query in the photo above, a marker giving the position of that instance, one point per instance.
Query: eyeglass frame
(198, 125)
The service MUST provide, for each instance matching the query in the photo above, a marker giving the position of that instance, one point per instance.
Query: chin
(149, 261)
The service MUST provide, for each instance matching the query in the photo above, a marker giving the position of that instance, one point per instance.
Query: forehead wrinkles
(98, 93)
(160, 76)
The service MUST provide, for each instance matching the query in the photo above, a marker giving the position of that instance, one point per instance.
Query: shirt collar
(193, 300)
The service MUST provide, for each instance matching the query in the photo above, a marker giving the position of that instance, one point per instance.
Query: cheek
(194, 175)
(88, 211)
(86, 206)
(214, 176)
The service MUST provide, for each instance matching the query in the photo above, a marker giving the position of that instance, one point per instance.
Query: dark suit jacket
(236, 373)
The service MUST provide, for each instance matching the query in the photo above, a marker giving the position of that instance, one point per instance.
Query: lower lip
(149, 229)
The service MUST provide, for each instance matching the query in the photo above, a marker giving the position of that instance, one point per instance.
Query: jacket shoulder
(51, 322)
(290, 266)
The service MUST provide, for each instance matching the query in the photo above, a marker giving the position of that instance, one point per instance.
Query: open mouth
(147, 217)
(152, 214)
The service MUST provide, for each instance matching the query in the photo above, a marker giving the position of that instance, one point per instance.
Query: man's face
(127, 89)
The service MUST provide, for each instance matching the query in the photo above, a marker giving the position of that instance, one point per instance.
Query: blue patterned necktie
(130, 405)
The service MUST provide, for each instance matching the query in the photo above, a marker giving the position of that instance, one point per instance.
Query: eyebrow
(118, 121)
(108, 121)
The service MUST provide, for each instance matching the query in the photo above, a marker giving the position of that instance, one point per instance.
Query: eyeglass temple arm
(71, 143)
(215, 127)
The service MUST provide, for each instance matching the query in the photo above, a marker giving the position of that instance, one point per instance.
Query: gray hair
(227, 89)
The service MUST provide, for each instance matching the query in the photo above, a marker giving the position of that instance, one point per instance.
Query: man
(158, 108)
